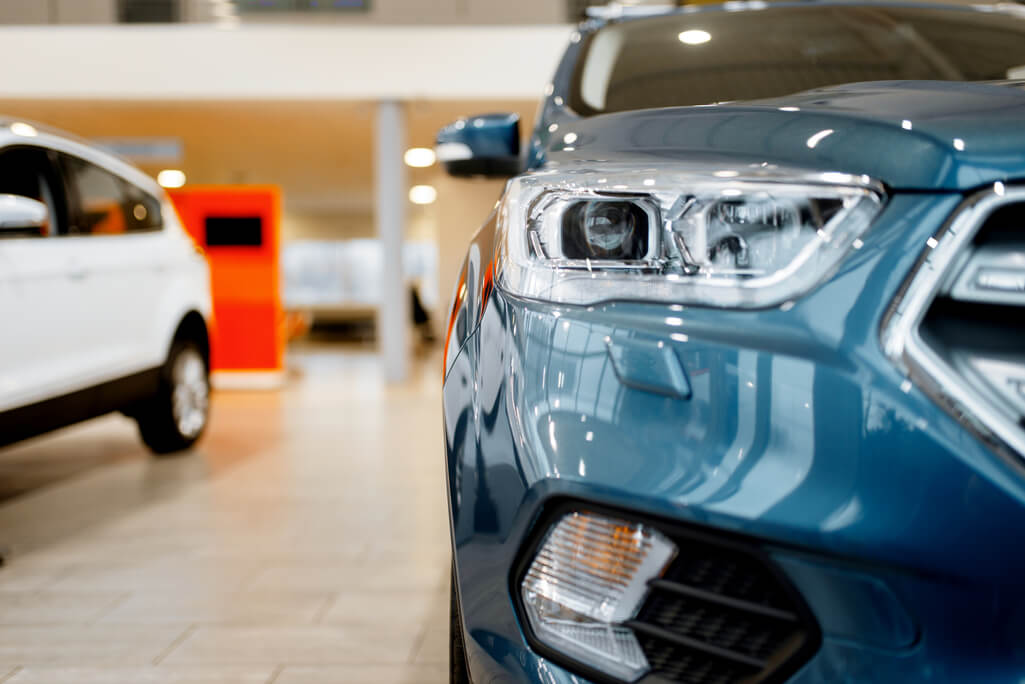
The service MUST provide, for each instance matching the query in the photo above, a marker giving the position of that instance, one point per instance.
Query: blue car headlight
(707, 238)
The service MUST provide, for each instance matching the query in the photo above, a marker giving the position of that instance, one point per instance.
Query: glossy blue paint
(797, 432)
(900, 529)
(962, 135)
(852, 606)
(650, 366)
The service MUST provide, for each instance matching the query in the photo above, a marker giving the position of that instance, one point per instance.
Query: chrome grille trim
(945, 252)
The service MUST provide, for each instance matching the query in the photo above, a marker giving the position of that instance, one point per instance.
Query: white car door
(39, 290)
(120, 259)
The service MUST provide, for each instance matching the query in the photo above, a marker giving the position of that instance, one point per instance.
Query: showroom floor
(304, 541)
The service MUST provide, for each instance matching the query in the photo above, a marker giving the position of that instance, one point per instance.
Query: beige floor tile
(83, 504)
(86, 548)
(329, 578)
(380, 608)
(85, 645)
(21, 575)
(433, 645)
(328, 645)
(365, 674)
(424, 577)
(433, 648)
(157, 576)
(214, 608)
(54, 607)
(305, 537)
(142, 675)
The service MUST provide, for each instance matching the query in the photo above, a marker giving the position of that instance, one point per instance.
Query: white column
(390, 208)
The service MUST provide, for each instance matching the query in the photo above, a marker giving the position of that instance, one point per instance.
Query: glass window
(148, 11)
(107, 204)
(27, 171)
(143, 210)
(706, 57)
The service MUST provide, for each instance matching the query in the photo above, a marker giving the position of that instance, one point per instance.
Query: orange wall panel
(244, 254)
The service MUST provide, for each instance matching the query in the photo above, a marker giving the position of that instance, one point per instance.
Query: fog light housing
(589, 576)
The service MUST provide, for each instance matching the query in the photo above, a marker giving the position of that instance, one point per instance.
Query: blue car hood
(911, 135)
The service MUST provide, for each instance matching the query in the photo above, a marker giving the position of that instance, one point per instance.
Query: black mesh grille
(730, 574)
(735, 630)
(722, 615)
(691, 667)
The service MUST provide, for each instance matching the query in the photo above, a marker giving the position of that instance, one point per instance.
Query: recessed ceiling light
(419, 157)
(171, 178)
(423, 194)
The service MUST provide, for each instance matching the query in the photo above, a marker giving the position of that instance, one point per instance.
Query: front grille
(726, 574)
(721, 614)
(958, 327)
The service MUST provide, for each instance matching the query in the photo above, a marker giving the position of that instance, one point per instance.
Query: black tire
(175, 417)
(458, 673)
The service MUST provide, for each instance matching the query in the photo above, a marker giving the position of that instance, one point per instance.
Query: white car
(104, 298)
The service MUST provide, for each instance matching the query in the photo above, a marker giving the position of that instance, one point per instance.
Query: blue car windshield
(721, 56)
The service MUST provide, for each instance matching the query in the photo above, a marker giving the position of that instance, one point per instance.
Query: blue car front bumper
(791, 430)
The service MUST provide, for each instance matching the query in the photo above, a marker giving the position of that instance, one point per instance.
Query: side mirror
(23, 215)
(485, 145)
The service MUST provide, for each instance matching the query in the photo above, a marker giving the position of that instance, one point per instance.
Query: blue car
(735, 371)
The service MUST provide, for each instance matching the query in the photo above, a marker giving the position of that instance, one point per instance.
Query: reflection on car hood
(908, 134)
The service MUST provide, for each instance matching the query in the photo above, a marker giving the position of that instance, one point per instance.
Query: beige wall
(58, 11)
(351, 225)
(380, 12)
(24, 12)
(326, 225)
(463, 206)
(468, 11)
(86, 11)
(417, 12)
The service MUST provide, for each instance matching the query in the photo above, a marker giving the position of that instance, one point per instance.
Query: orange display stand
(239, 229)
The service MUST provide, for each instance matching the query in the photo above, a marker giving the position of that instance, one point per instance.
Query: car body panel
(787, 426)
(798, 431)
(921, 135)
(90, 310)
(796, 434)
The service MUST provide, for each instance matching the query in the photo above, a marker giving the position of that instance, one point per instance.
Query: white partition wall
(310, 62)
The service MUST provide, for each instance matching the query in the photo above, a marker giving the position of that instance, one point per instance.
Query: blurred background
(287, 92)
(304, 538)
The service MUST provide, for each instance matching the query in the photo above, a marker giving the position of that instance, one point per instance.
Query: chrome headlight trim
(795, 257)
(921, 365)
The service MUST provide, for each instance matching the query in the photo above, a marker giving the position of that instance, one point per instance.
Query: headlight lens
(586, 236)
(611, 230)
